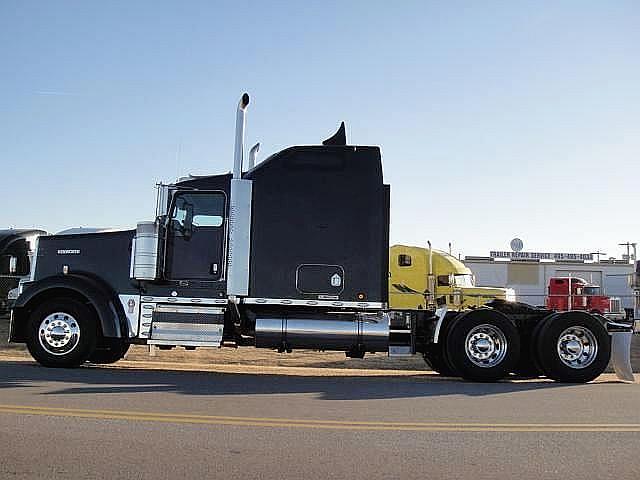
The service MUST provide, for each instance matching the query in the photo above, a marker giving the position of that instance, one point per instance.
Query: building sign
(580, 257)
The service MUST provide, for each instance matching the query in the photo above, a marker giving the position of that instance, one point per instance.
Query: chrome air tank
(144, 261)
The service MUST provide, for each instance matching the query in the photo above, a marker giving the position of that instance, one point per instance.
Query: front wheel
(109, 350)
(61, 333)
(573, 347)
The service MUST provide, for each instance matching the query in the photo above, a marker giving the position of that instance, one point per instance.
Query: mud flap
(621, 355)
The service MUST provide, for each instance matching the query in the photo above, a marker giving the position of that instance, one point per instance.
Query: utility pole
(629, 245)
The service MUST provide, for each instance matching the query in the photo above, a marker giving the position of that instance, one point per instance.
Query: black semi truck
(291, 253)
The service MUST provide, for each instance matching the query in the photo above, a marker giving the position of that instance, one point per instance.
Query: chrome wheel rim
(486, 346)
(59, 333)
(577, 347)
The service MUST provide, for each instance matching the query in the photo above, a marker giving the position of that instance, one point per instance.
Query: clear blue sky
(496, 119)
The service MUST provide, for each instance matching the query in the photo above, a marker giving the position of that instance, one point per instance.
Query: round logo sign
(516, 245)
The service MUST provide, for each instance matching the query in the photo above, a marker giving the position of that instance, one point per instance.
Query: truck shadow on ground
(110, 381)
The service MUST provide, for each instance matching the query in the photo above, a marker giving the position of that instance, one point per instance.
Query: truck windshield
(593, 290)
(463, 280)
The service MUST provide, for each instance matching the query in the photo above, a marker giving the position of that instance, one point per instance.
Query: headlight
(510, 295)
(13, 294)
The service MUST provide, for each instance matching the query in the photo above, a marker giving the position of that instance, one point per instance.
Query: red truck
(574, 293)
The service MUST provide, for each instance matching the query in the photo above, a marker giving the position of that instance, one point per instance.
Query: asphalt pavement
(117, 423)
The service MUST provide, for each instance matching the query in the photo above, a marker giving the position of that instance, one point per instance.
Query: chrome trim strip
(189, 309)
(314, 303)
(200, 301)
(184, 343)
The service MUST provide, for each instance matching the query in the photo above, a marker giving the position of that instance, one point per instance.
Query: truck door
(195, 237)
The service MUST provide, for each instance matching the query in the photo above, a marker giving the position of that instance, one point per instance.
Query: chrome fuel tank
(366, 332)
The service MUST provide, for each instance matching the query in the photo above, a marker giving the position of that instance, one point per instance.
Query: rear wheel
(436, 358)
(529, 365)
(61, 333)
(573, 347)
(526, 367)
(483, 345)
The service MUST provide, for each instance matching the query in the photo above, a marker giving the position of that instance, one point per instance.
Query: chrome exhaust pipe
(238, 154)
(252, 156)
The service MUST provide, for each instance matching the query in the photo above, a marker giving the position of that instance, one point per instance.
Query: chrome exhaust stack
(252, 156)
(239, 233)
(238, 154)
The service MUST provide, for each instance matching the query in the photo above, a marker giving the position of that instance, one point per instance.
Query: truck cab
(575, 293)
(453, 283)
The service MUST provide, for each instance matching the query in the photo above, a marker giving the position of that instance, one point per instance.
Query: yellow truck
(421, 277)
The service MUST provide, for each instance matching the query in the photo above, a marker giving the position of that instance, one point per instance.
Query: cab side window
(198, 210)
(404, 260)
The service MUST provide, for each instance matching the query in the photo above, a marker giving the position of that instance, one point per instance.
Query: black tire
(505, 338)
(437, 360)
(109, 350)
(74, 317)
(529, 365)
(526, 367)
(548, 343)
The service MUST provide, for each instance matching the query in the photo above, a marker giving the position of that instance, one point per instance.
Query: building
(529, 277)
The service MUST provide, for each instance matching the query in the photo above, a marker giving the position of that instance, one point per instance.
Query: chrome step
(187, 326)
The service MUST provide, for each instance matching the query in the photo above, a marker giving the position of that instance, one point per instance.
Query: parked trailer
(291, 253)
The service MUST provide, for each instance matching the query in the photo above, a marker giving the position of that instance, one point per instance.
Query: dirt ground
(254, 357)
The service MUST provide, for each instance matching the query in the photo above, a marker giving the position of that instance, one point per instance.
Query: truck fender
(445, 321)
(99, 295)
